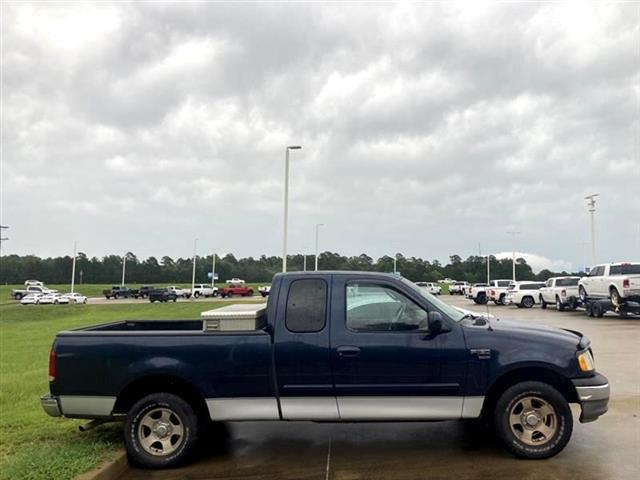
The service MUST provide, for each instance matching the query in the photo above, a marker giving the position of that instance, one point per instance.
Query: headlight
(585, 361)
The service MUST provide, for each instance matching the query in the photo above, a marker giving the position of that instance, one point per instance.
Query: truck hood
(523, 330)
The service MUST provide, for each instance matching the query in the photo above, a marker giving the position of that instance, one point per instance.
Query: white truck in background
(202, 290)
(523, 294)
(497, 290)
(561, 292)
(477, 293)
(619, 282)
(459, 288)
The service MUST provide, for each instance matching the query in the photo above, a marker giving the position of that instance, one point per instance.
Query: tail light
(493, 292)
(625, 283)
(52, 365)
(563, 293)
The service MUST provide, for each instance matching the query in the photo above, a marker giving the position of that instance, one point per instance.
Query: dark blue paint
(103, 360)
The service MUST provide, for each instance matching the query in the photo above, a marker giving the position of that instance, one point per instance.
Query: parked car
(432, 288)
(264, 291)
(497, 290)
(236, 290)
(560, 291)
(458, 288)
(75, 297)
(33, 283)
(202, 290)
(330, 350)
(235, 281)
(31, 289)
(162, 295)
(120, 291)
(31, 299)
(523, 294)
(180, 292)
(618, 281)
(144, 291)
(52, 298)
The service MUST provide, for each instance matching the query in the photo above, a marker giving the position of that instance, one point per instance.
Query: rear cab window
(306, 306)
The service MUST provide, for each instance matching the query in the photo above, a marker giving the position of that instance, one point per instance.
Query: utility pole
(304, 262)
(73, 267)
(591, 202)
(193, 272)
(213, 271)
(124, 268)
(488, 268)
(286, 204)
(3, 239)
(395, 263)
(318, 225)
(513, 256)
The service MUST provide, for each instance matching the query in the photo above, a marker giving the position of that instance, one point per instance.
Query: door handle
(348, 351)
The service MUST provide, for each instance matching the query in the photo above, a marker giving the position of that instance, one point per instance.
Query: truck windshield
(450, 311)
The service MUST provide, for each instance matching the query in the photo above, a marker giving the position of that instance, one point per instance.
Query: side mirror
(435, 323)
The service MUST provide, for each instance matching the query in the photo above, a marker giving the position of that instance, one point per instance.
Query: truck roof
(354, 273)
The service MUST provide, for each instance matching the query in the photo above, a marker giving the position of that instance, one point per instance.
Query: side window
(306, 306)
(376, 308)
(550, 283)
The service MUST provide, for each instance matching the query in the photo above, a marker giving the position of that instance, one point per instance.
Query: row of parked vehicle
(607, 287)
(53, 298)
(173, 292)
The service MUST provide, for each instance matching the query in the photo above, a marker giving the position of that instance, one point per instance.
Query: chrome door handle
(348, 351)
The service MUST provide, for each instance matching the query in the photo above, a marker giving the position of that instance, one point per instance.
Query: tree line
(15, 269)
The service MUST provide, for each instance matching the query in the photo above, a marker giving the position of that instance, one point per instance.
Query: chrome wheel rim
(161, 432)
(533, 421)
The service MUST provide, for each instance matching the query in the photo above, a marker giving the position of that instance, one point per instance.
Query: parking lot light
(286, 203)
(193, 272)
(318, 225)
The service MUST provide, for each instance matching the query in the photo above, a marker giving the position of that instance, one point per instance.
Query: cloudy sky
(426, 128)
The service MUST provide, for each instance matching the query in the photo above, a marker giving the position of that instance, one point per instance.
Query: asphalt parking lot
(606, 449)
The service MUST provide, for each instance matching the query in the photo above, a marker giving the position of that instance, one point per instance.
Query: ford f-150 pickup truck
(332, 347)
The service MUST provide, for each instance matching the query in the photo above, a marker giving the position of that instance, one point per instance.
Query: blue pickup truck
(335, 347)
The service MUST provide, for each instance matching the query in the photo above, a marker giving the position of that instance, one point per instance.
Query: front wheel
(160, 431)
(528, 302)
(543, 304)
(533, 420)
(582, 293)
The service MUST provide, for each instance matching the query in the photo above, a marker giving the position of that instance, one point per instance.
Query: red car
(236, 290)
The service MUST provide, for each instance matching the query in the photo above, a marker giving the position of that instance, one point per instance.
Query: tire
(582, 293)
(552, 430)
(166, 411)
(559, 305)
(229, 294)
(215, 294)
(481, 299)
(196, 295)
(175, 299)
(527, 302)
(597, 310)
(543, 304)
(616, 300)
(18, 296)
(588, 308)
(116, 296)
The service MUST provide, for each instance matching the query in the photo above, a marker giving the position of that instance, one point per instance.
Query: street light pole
(124, 268)
(591, 201)
(213, 271)
(193, 271)
(304, 262)
(286, 204)
(318, 225)
(3, 239)
(395, 263)
(513, 256)
(73, 266)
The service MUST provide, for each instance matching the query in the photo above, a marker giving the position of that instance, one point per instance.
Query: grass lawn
(32, 444)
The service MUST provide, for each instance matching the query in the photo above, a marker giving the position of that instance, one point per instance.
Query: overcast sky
(426, 128)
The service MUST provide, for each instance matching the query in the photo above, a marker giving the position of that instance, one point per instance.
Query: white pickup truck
(180, 292)
(561, 291)
(17, 294)
(523, 294)
(619, 282)
(202, 290)
(497, 290)
(459, 288)
(477, 293)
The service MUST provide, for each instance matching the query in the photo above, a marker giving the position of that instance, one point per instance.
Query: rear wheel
(559, 305)
(543, 304)
(533, 420)
(615, 297)
(527, 302)
(160, 431)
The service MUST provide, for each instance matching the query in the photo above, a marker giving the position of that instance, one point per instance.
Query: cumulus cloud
(426, 128)
(538, 262)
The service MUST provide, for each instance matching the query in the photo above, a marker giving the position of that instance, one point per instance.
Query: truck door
(301, 350)
(386, 364)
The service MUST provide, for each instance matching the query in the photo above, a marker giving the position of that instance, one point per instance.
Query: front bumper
(50, 405)
(593, 396)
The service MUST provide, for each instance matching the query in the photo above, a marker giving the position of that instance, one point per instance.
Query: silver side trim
(309, 408)
(592, 393)
(400, 408)
(472, 407)
(260, 408)
(81, 406)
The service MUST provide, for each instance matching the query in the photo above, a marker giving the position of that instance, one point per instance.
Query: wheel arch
(149, 384)
(528, 374)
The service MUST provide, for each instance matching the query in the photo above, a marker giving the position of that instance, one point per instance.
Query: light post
(591, 201)
(3, 239)
(213, 271)
(513, 256)
(193, 271)
(73, 266)
(286, 203)
(124, 268)
(395, 263)
(318, 225)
